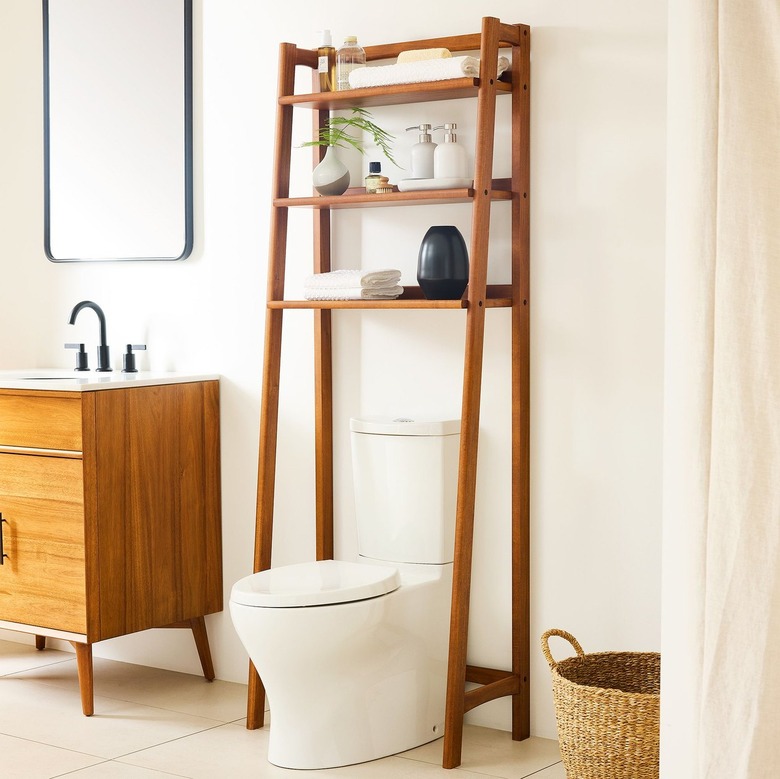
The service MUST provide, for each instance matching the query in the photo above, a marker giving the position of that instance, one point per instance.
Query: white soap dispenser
(449, 158)
(422, 152)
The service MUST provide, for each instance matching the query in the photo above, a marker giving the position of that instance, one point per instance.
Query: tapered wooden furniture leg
(269, 405)
(84, 663)
(40, 642)
(472, 385)
(323, 371)
(198, 625)
(521, 597)
(255, 713)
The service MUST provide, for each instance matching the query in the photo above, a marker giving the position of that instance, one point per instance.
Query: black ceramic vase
(443, 263)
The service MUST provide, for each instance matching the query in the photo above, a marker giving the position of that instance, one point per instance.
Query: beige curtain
(720, 695)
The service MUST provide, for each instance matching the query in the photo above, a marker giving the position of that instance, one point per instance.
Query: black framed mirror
(117, 129)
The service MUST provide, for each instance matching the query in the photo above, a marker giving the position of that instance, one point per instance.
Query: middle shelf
(357, 197)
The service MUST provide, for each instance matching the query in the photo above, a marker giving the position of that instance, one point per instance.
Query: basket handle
(563, 634)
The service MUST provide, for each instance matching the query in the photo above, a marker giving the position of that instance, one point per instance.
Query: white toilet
(353, 655)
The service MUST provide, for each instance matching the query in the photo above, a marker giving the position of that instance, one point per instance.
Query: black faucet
(104, 361)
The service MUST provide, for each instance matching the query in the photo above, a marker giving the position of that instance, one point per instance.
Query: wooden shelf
(357, 198)
(498, 296)
(397, 94)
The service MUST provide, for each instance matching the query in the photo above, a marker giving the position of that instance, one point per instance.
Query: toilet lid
(315, 584)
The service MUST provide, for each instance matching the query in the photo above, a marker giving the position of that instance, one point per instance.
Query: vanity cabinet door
(42, 580)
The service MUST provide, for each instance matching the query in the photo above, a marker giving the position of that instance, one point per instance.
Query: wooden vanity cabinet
(110, 501)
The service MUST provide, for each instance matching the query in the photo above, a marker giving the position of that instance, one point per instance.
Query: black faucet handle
(128, 359)
(82, 360)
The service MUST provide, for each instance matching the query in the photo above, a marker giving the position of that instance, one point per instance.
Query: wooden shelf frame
(478, 298)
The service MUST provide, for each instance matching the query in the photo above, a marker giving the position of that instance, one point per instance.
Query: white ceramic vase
(331, 176)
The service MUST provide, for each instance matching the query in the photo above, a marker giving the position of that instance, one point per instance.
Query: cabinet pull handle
(3, 555)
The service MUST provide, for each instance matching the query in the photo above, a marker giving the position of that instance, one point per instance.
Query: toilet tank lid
(379, 425)
(315, 584)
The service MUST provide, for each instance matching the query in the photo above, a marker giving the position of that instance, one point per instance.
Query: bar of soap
(415, 55)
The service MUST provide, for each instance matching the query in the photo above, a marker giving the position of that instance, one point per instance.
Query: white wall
(598, 145)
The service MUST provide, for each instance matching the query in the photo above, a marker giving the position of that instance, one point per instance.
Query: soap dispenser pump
(449, 158)
(422, 152)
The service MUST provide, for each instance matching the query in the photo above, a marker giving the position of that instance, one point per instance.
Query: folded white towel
(353, 278)
(352, 293)
(416, 72)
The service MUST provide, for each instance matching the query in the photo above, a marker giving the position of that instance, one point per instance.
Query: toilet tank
(405, 474)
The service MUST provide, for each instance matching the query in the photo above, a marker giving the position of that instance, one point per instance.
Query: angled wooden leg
(198, 625)
(84, 662)
(40, 642)
(521, 394)
(255, 710)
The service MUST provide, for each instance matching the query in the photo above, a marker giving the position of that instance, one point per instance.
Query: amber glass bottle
(326, 63)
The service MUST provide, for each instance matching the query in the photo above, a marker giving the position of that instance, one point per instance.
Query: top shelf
(397, 94)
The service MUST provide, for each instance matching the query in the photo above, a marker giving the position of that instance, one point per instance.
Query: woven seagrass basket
(607, 708)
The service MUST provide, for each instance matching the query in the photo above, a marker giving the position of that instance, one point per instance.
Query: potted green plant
(331, 176)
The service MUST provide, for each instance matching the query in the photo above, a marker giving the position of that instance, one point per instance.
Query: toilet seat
(315, 584)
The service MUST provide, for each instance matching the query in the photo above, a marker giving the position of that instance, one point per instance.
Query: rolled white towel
(336, 279)
(415, 55)
(352, 293)
(416, 72)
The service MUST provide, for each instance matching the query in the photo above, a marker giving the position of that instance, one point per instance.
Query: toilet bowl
(353, 654)
(357, 677)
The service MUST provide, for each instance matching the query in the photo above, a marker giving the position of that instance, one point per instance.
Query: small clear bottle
(373, 178)
(350, 55)
(326, 63)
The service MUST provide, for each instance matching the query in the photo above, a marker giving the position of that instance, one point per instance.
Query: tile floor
(151, 723)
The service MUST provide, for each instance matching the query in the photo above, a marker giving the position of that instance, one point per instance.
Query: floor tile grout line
(538, 771)
(126, 700)
(36, 667)
(104, 759)
(438, 763)
(117, 758)
(214, 724)
(108, 762)
(477, 772)
(53, 746)
(157, 744)
(156, 707)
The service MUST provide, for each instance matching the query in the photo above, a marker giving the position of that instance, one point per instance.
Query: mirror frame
(187, 145)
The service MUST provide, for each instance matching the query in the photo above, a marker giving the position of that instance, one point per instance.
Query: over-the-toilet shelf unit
(479, 296)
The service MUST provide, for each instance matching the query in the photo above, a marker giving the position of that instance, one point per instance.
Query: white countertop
(63, 380)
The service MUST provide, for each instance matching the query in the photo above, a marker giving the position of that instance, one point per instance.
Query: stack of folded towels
(353, 285)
